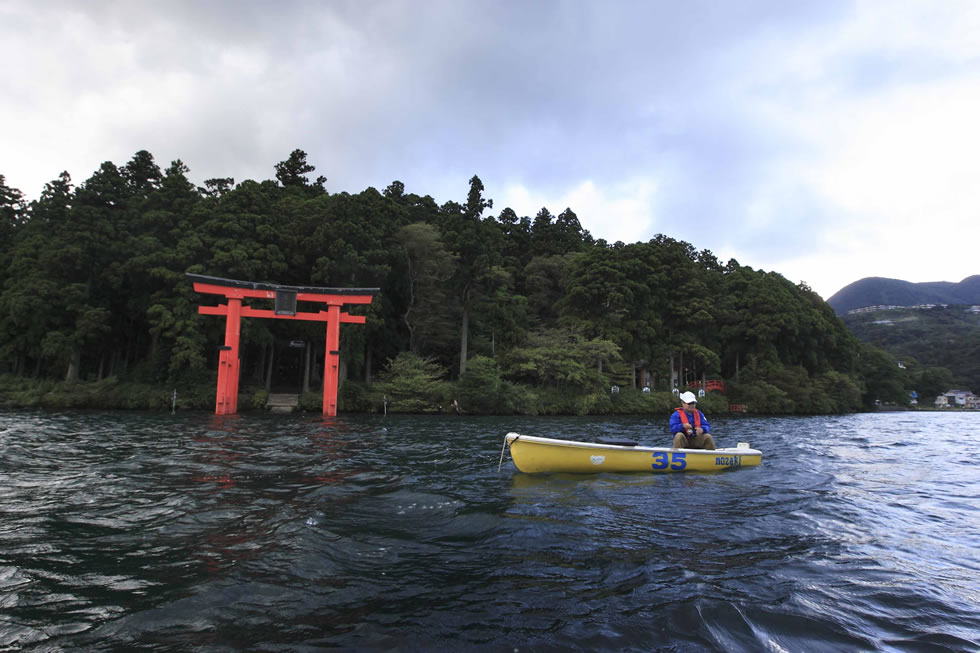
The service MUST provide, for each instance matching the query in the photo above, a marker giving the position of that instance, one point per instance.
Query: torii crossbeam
(226, 402)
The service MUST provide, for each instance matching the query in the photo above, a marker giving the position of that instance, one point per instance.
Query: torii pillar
(235, 291)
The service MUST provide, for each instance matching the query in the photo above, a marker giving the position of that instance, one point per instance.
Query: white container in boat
(743, 445)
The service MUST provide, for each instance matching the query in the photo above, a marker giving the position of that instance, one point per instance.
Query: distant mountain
(873, 291)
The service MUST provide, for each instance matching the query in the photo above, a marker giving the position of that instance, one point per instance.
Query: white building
(957, 399)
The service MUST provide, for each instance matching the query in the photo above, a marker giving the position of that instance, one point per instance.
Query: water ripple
(176, 532)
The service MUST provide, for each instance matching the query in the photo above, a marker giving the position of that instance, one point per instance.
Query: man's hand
(700, 431)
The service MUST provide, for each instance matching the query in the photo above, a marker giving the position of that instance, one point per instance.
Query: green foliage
(545, 277)
(556, 401)
(560, 358)
(257, 400)
(761, 397)
(428, 266)
(630, 401)
(481, 390)
(842, 392)
(311, 402)
(479, 387)
(932, 382)
(196, 396)
(785, 390)
(795, 383)
(713, 403)
(355, 397)
(292, 172)
(594, 403)
(415, 385)
(531, 315)
(941, 337)
(109, 393)
(884, 380)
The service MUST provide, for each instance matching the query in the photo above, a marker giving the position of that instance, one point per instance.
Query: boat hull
(532, 454)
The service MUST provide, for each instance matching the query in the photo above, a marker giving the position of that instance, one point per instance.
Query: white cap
(688, 398)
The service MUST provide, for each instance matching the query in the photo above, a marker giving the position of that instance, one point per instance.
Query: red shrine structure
(285, 297)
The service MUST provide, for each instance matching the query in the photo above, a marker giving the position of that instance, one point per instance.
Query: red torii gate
(285, 297)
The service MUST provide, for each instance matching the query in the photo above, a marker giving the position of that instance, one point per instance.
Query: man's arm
(705, 426)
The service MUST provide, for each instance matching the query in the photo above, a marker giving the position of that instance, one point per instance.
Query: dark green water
(127, 531)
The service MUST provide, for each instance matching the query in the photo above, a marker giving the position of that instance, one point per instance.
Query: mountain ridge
(874, 291)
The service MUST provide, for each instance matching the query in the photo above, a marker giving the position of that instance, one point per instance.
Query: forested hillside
(508, 313)
(942, 342)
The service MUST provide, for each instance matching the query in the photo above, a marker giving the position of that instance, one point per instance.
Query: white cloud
(907, 155)
(826, 141)
(876, 114)
(625, 211)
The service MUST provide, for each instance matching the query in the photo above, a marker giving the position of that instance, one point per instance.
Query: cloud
(893, 141)
(824, 140)
(620, 212)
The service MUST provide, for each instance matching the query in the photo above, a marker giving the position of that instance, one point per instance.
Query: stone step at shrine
(281, 402)
(286, 297)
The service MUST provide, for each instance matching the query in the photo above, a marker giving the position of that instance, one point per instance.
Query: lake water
(123, 531)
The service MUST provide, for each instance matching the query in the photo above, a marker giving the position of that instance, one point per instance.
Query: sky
(824, 140)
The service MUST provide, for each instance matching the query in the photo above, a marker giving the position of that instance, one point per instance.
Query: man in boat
(689, 425)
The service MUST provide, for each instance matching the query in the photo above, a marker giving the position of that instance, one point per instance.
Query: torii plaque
(226, 402)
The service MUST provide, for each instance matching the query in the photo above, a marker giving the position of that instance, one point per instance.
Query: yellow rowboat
(533, 454)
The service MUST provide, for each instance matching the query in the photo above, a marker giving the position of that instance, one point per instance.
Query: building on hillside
(957, 399)
(893, 307)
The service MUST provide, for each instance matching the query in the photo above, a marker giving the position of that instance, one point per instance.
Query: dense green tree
(687, 307)
(884, 380)
(217, 186)
(543, 241)
(501, 314)
(545, 281)
(34, 324)
(142, 174)
(568, 235)
(479, 389)
(351, 239)
(12, 215)
(292, 172)
(515, 235)
(428, 267)
(241, 234)
(412, 384)
(608, 295)
(92, 283)
(167, 245)
(559, 358)
(842, 391)
(932, 382)
(470, 239)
